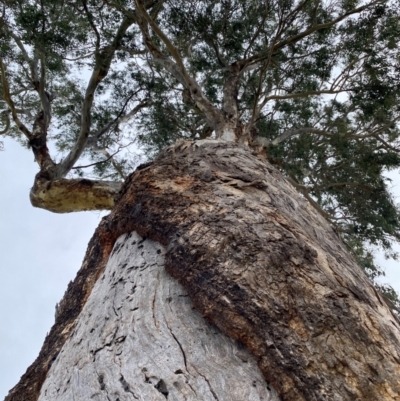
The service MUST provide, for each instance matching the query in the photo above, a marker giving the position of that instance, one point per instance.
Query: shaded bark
(258, 262)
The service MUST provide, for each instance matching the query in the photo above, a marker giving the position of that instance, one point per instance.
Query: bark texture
(73, 195)
(138, 338)
(258, 262)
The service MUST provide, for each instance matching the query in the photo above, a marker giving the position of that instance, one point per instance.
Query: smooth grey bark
(139, 338)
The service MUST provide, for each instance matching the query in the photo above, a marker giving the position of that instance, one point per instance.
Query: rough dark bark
(257, 261)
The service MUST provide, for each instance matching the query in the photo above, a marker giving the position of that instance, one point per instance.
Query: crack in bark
(180, 347)
(208, 383)
(99, 349)
(153, 305)
(114, 297)
(108, 344)
(126, 387)
(116, 314)
(103, 386)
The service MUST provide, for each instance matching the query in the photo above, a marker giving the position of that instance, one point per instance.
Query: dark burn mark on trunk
(252, 268)
(85, 182)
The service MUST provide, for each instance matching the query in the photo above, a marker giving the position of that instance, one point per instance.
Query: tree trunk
(256, 260)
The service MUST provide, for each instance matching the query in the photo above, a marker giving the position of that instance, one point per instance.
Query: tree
(277, 94)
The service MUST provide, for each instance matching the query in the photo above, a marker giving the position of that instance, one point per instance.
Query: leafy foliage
(318, 83)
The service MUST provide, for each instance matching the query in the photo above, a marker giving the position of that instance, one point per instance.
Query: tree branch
(262, 141)
(256, 34)
(44, 96)
(34, 69)
(290, 133)
(171, 48)
(257, 108)
(8, 123)
(211, 112)
(304, 191)
(20, 45)
(230, 92)
(114, 163)
(96, 163)
(301, 94)
(101, 69)
(293, 39)
(80, 57)
(92, 24)
(133, 52)
(10, 103)
(386, 145)
(73, 195)
(118, 120)
(318, 27)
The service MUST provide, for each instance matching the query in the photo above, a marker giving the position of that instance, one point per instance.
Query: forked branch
(104, 58)
(314, 28)
(176, 67)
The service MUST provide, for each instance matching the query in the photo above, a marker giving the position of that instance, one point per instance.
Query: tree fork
(258, 262)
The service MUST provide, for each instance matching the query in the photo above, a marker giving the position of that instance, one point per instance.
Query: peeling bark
(258, 262)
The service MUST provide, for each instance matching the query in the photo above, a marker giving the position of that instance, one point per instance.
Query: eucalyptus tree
(286, 116)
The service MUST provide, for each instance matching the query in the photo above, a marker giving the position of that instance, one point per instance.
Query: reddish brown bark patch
(264, 267)
(259, 263)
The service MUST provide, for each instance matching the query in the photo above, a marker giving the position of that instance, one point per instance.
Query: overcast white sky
(40, 253)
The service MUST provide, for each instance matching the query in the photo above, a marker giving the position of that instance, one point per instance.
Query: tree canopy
(96, 87)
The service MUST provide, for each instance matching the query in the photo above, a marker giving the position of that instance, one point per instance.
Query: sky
(40, 253)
